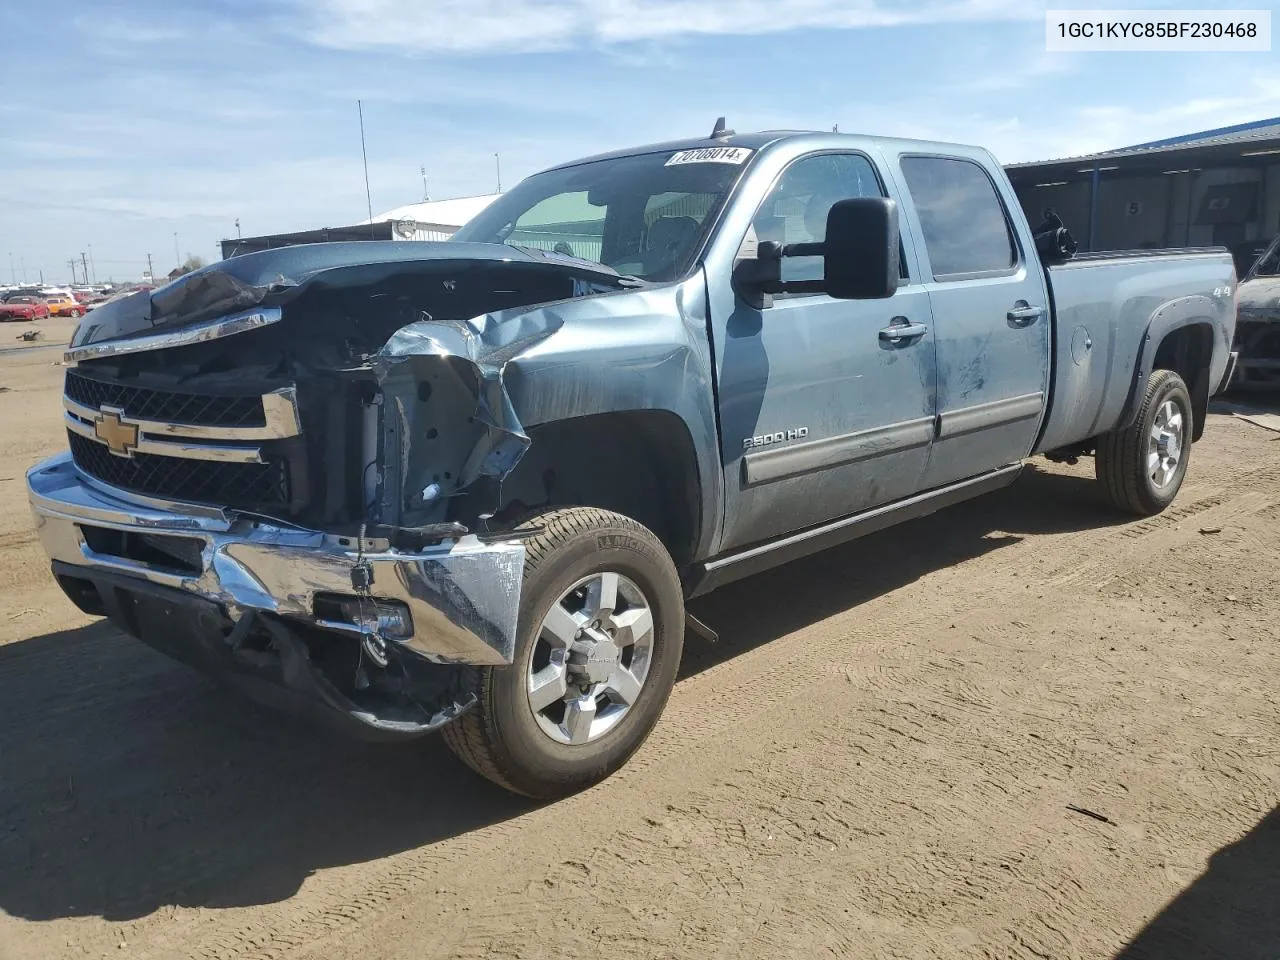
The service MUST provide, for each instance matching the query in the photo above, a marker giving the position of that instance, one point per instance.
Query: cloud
(1019, 75)
(484, 26)
(116, 30)
(1108, 127)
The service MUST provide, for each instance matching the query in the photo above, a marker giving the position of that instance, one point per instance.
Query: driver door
(824, 410)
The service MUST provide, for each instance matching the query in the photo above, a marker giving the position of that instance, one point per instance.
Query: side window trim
(1015, 242)
(881, 181)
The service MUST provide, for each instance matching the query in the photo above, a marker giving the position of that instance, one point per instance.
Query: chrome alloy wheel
(1164, 444)
(590, 659)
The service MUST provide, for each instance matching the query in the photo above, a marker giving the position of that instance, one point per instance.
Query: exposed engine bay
(364, 401)
(399, 398)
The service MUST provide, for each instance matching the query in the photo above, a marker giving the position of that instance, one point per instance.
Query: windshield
(1268, 264)
(645, 216)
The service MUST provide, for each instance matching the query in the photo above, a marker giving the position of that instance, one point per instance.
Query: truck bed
(1105, 306)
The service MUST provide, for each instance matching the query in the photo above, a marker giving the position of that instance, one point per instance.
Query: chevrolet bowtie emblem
(121, 438)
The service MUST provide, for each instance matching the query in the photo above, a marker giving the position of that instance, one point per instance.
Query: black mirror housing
(860, 260)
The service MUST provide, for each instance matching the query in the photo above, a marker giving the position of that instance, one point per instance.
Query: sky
(123, 124)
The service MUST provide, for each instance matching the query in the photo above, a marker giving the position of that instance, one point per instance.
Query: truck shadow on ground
(1229, 911)
(130, 783)
(749, 612)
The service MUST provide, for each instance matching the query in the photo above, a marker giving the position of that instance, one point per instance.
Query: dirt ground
(878, 759)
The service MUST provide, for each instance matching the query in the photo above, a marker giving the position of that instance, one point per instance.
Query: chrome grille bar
(187, 440)
(185, 336)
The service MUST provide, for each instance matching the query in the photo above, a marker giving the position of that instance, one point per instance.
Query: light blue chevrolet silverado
(470, 485)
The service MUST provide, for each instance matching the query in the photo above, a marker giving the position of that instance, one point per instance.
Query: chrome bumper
(463, 595)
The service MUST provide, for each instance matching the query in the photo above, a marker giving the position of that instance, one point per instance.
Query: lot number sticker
(734, 155)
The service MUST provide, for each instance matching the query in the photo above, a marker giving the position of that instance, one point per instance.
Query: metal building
(1219, 187)
(429, 220)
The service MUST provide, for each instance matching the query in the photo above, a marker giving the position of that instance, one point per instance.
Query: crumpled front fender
(486, 345)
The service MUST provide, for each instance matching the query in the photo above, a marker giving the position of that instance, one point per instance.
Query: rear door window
(966, 230)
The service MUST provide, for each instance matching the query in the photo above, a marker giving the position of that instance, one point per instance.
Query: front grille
(248, 486)
(1258, 339)
(143, 403)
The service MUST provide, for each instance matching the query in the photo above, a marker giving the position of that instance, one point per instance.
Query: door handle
(1023, 314)
(902, 329)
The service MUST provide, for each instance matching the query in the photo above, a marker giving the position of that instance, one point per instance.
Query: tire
(1129, 477)
(77, 313)
(504, 737)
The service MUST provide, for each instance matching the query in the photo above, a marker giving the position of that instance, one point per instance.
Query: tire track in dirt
(18, 538)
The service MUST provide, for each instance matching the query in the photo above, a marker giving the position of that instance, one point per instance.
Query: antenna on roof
(720, 131)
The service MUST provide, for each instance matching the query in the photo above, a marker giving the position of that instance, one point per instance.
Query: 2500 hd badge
(782, 436)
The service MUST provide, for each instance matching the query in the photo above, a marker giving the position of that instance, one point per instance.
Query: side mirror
(860, 257)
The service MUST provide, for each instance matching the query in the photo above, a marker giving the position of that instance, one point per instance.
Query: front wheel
(599, 640)
(1141, 468)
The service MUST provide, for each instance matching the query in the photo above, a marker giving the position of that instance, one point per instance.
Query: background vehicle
(1258, 326)
(64, 305)
(21, 307)
(469, 485)
(103, 299)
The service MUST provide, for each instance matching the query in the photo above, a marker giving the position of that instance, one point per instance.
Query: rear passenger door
(990, 317)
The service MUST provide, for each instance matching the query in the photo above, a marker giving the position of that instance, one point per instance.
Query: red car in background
(23, 308)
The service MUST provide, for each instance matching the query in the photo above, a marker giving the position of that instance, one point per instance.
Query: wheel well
(1188, 352)
(639, 463)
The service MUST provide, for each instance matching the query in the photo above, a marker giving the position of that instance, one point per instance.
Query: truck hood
(1260, 299)
(275, 277)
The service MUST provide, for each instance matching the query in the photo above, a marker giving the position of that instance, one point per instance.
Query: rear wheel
(1141, 468)
(600, 635)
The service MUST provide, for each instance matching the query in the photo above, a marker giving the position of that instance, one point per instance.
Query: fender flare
(1176, 314)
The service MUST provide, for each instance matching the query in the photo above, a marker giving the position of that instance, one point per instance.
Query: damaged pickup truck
(470, 485)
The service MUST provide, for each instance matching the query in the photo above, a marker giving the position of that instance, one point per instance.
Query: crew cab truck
(470, 485)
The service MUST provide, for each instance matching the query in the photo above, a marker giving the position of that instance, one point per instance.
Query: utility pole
(426, 197)
(497, 165)
(84, 263)
(72, 264)
(22, 262)
(42, 276)
(177, 257)
(93, 267)
(12, 269)
(368, 197)
(151, 274)
(237, 228)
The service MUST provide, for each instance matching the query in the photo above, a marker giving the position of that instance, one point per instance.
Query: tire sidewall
(621, 549)
(1172, 388)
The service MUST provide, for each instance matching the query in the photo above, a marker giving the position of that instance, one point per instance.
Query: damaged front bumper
(254, 601)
